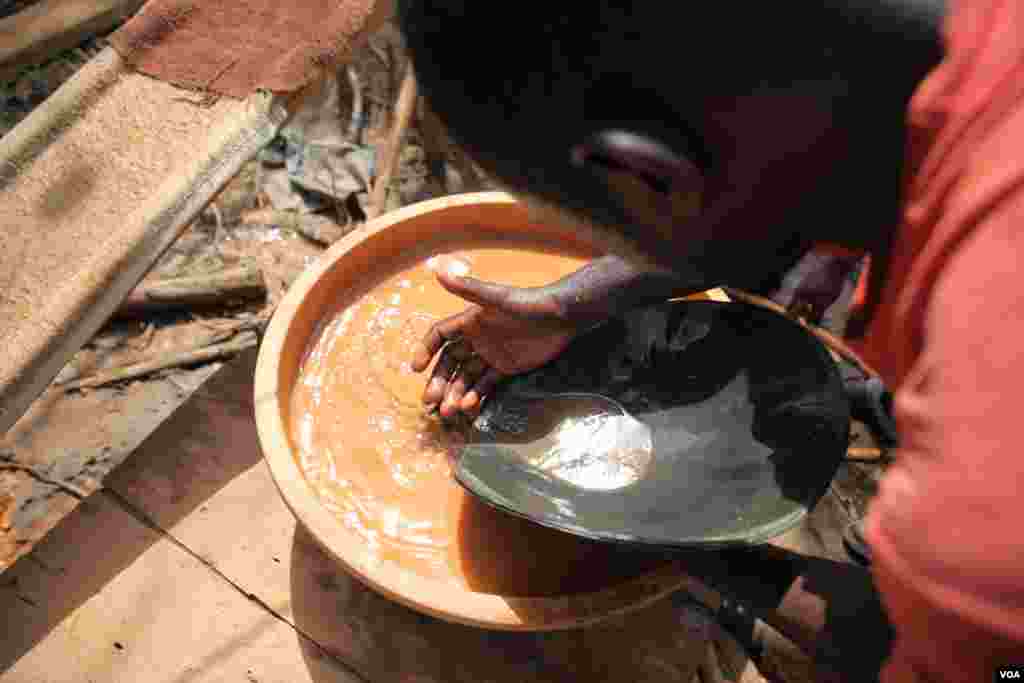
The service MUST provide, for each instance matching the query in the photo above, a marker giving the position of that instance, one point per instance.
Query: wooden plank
(94, 185)
(78, 440)
(47, 27)
(201, 477)
(105, 598)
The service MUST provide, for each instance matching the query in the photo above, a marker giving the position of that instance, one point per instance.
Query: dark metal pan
(745, 412)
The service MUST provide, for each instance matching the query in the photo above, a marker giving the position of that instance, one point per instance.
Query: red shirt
(947, 528)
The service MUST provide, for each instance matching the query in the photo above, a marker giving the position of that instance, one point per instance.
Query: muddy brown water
(383, 468)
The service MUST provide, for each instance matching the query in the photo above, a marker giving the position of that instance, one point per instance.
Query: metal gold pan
(744, 411)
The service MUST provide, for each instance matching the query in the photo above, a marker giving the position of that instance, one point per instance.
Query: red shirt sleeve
(947, 528)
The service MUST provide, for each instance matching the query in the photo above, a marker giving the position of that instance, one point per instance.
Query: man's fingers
(467, 376)
(459, 350)
(483, 387)
(439, 333)
(438, 383)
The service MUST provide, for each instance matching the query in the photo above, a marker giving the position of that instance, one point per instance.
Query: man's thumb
(523, 302)
(486, 294)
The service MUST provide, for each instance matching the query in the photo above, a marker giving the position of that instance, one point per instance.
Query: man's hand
(506, 331)
(512, 330)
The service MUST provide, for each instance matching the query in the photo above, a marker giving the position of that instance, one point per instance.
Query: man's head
(623, 112)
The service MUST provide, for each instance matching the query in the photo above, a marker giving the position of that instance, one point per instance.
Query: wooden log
(244, 281)
(45, 28)
(244, 341)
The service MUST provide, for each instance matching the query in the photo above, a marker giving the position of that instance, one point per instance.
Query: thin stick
(245, 340)
(355, 126)
(226, 328)
(403, 115)
(71, 490)
(864, 453)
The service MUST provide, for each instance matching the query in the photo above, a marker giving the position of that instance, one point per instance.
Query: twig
(403, 115)
(227, 330)
(245, 340)
(864, 453)
(6, 463)
(356, 124)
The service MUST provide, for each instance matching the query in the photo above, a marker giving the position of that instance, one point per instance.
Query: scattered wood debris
(184, 358)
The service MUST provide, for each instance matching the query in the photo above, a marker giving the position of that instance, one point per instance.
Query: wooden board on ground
(108, 599)
(201, 478)
(190, 532)
(45, 28)
(70, 443)
(94, 186)
(188, 567)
